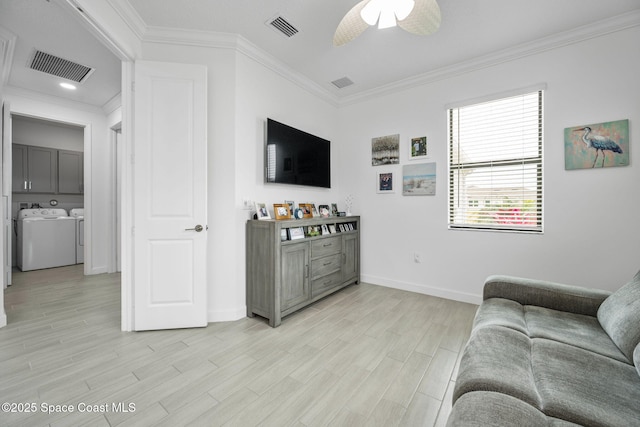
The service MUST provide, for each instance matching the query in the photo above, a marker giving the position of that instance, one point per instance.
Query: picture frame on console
(281, 211)
(324, 211)
(296, 233)
(307, 210)
(262, 211)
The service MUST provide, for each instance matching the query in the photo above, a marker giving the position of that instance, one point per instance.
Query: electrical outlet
(417, 257)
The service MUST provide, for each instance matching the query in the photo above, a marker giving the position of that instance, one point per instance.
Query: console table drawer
(323, 266)
(322, 247)
(325, 283)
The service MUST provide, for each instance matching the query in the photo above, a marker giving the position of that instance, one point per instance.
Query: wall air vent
(283, 26)
(60, 67)
(342, 82)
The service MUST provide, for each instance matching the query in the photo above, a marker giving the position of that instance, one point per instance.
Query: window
(495, 155)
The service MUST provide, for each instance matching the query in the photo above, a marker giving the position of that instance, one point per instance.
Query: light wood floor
(367, 355)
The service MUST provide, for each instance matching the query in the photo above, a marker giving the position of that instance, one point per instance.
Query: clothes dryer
(46, 238)
(78, 214)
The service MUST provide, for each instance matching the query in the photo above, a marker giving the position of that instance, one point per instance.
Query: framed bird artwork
(597, 145)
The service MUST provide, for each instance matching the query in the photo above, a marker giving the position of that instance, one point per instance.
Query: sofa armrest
(556, 296)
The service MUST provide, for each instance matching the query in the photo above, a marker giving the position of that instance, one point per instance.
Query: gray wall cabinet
(284, 276)
(35, 169)
(70, 172)
(47, 170)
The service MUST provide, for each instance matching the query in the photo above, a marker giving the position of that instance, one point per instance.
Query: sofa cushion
(573, 329)
(487, 408)
(501, 312)
(538, 322)
(498, 359)
(619, 316)
(585, 388)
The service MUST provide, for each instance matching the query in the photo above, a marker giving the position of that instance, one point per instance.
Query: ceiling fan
(421, 17)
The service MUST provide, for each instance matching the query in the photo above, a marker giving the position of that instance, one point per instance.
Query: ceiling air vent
(60, 67)
(283, 26)
(343, 82)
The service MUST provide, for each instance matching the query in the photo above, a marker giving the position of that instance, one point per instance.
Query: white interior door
(170, 196)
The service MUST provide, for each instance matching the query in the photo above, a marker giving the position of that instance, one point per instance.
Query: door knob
(198, 228)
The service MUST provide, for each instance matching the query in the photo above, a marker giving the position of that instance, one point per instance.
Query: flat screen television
(296, 157)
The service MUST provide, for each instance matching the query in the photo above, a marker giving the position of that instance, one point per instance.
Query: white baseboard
(422, 289)
(226, 315)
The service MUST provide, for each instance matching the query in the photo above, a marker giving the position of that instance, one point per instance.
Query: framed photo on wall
(418, 148)
(384, 183)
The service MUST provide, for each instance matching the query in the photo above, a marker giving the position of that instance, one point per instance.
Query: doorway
(40, 146)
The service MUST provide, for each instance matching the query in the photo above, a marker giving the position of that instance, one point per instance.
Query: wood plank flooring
(366, 356)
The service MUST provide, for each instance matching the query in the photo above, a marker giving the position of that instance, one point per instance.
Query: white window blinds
(495, 164)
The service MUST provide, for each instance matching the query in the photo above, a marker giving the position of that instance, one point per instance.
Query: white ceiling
(470, 29)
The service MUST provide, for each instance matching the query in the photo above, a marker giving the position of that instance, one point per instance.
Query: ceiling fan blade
(424, 19)
(351, 26)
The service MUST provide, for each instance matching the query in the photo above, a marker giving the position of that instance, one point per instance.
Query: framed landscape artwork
(419, 179)
(385, 150)
(597, 145)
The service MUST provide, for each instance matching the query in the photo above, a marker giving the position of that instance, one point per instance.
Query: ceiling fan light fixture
(404, 8)
(385, 12)
(387, 19)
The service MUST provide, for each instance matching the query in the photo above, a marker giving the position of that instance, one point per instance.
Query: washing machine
(46, 238)
(78, 214)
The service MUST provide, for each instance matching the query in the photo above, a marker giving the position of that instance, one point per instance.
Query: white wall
(591, 230)
(242, 93)
(42, 133)
(262, 94)
(98, 172)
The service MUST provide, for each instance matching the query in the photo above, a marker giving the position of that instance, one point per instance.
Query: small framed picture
(284, 235)
(334, 209)
(296, 233)
(384, 183)
(341, 226)
(291, 204)
(282, 211)
(332, 229)
(325, 229)
(324, 211)
(350, 226)
(418, 148)
(262, 212)
(306, 210)
(314, 211)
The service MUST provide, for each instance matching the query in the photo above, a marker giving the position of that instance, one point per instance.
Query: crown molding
(211, 39)
(245, 47)
(113, 104)
(558, 40)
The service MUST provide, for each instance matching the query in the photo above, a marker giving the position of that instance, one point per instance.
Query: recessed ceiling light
(68, 86)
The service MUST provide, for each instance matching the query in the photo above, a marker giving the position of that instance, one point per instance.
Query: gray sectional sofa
(548, 354)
